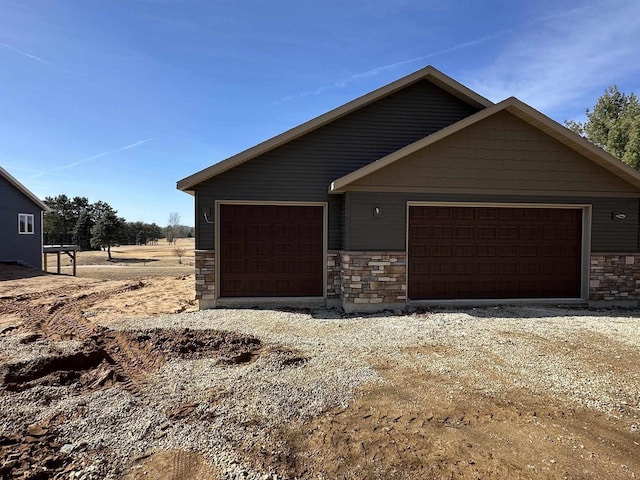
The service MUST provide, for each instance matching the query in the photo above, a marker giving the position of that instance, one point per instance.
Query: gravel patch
(28, 347)
(317, 360)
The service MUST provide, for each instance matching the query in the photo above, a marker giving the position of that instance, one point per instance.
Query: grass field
(131, 261)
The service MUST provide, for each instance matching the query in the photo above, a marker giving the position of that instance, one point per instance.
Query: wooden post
(45, 261)
(73, 259)
(58, 253)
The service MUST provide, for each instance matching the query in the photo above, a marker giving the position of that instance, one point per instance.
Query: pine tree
(107, 231)
(614, 124)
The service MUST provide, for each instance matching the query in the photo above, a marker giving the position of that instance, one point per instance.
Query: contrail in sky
(104, 154)
(37, 59)
(375, 71)
(93, 157)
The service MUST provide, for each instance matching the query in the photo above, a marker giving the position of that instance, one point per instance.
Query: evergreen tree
(82, 230)
(614, 124)
(107, 231)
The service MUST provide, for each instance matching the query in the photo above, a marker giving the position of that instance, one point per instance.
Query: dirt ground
(423, 426)
(414, 424)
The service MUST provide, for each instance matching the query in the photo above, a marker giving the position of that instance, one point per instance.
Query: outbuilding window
(25, 223)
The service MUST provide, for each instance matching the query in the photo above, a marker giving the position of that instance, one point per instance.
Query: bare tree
(173, 227)
(179, 252)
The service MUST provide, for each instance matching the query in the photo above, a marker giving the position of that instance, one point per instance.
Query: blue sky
(116, 101)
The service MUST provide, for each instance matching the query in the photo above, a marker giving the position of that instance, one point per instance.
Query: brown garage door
(271, 251)
(486, 252)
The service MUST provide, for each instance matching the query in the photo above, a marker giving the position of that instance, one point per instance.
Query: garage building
(420, 192)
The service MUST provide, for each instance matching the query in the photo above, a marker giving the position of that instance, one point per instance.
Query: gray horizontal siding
(388, 232)
(302, 169)
(14, 247)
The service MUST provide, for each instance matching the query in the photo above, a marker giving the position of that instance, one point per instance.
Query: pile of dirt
(88, 366)
(109, 356)
(192, 344)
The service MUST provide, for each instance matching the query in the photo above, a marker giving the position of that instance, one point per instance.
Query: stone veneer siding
(333, 275)
(373, 277)
(615, 277)
(205, 275)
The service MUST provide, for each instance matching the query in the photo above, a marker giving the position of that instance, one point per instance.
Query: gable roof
(428, 73)
(520, 110)
(7, 176)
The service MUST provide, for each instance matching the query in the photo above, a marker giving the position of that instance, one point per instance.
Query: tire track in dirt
(422, 426)
(64, 320)
(173, 465)
(130, 358)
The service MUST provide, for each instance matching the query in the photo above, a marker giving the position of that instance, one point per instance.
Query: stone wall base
(373, 281)
(349, 307)
(205, 278)
(614, 277)
(206, 304)
(614, 303)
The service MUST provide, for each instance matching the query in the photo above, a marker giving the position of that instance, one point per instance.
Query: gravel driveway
(319, 361)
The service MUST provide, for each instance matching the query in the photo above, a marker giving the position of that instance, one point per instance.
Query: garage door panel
(496, 252)
(464, 233)
(439, 250)
(423, 269)
(281, 231)
(464, 251)
(487, 269)
(508, 233)
(438, 269)
(309, 248)
(512, 270)
(442, 213)
(281, 248)
(528, 268)
(528, 251)
(257, 266)
(439, 232)
(235, 248)
(507, 250)
(271, 250)
(529, 233)
(486, 233)
(551, 251)
(464, 269)
(486, 250)
(421, 250)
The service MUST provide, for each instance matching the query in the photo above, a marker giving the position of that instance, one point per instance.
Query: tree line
(95, 226)
(614, 124)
